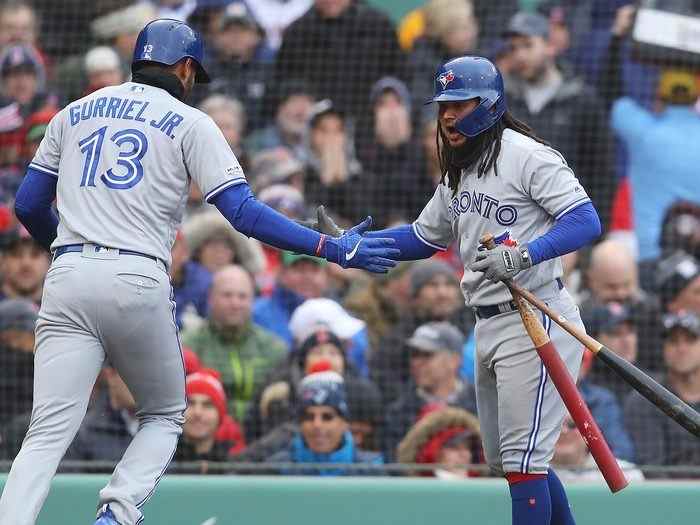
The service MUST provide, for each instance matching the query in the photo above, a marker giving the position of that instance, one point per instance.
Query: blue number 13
(130, 159)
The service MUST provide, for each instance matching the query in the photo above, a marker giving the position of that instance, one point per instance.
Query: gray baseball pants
(520, 410)
(99, 304)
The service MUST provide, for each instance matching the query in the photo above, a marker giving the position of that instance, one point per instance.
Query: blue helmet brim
(447, 96)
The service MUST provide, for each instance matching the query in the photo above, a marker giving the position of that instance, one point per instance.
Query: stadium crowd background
(322, 102)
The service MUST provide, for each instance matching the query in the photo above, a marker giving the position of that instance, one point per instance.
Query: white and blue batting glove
(501, 263)
(352, 250)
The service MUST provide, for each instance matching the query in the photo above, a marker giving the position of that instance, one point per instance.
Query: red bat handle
(613, 474)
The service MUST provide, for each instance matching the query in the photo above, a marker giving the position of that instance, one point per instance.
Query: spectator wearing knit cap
(103, 67)
(678, 281)
(324, 435)
(449, 438)
(204, 417)
(435, 351)
(274, 402)
(435, 296)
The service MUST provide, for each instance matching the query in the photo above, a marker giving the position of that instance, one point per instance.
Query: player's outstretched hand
(503, 262)
(352, 250)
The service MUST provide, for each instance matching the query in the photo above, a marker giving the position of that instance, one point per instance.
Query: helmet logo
(147, 49)
(445, 78)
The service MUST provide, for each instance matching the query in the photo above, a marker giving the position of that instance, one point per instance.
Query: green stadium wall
(228, 500)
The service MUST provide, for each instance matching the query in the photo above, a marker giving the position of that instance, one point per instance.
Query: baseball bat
(657, 394)
(565, 385)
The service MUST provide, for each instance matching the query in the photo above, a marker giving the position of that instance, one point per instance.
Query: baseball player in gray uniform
(119, 164)
(499, 178)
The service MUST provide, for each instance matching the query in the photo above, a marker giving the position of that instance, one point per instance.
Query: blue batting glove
(352, 250)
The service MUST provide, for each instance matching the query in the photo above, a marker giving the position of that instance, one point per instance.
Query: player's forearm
(412, 248)
(255, 219)
(572, 231)
(33, 206)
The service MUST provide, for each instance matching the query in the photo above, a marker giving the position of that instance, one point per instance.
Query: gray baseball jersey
(124, 156)
(534, 187)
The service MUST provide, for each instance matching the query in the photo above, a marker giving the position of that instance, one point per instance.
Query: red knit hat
(206, 381)
(192, 362)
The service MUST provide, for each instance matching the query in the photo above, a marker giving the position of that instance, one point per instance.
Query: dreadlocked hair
(480, 152)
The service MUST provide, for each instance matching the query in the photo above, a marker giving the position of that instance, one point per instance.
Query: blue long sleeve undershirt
(572, 231)
(33, 206)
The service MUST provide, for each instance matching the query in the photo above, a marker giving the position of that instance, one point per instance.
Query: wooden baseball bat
(565, 385)
(657, 394)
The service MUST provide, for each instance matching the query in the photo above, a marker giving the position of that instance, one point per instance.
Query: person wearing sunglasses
(323, 436)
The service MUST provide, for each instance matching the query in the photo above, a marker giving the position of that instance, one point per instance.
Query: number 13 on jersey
(135, 146)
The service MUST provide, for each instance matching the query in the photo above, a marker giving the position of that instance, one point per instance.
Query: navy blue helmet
(469, 77)
(167, 41)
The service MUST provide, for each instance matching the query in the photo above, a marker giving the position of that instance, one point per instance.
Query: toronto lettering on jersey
(125, 109)
(483, 204)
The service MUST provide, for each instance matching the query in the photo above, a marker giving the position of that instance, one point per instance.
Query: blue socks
(531, 502)
(561, 512)
(539, 500)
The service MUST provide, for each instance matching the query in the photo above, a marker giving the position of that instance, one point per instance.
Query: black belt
(69, 248)
(484, 312)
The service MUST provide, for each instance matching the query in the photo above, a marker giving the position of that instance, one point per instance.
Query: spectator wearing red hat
(205, 415)
(448, 438)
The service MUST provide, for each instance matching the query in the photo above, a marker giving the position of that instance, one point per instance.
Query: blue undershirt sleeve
(33, 206)
(255, 219)
(412, 248)
(572, 231)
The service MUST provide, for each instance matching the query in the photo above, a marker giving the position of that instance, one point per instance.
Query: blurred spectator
(393, 153)
(17, 320)
(334, 174)
(661, 153)
(448, 438)
(23, 79)
(658, 439)
(680, 232)
(612, 277)
(292, 102)
(451, 30)
(276, 15)
(274, 403)
(614, 325)
(431, 170)
(334, 38)
(573, 460)
(276, 166)
(679, 283)
(559, 107)
(284, 198)
(18, 24)
(240, 63)
(103, 68)
(324, 435)
(229, 115)
(435, 355)
(435, 296)
(114, 26)
(177, 9)
(327, 312)
(206, 412)
(366, 413)
(110, 424)
(301, 277)
(215, 244)
(24, 266)
(35, 127)
(190, 282)
(229, 342)
(382, 302)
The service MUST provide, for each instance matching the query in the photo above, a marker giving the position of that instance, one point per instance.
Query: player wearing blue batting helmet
(167, 41)
(467, 78)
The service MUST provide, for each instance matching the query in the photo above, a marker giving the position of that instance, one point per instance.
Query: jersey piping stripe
(221, 187)
(43, 169)
(426, 241)
(532, 441)
(571, 207)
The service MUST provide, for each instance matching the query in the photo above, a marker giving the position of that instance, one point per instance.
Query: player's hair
(481, 151)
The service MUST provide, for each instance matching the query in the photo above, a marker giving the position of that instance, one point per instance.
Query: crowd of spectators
(291, 360)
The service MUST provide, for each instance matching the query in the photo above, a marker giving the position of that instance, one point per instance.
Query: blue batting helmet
(469, 77)
(167, 41)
